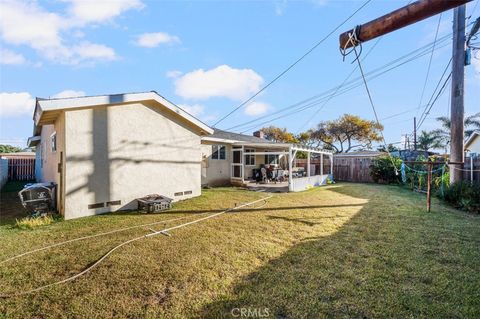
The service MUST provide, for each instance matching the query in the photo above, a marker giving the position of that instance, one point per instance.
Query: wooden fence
(352, 169)
(357, 169)
(21, 169)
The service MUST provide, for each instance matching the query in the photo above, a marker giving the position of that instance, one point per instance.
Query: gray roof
(365, 153)
(238, 137)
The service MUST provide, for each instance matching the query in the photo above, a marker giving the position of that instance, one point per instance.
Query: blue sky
(209, 56)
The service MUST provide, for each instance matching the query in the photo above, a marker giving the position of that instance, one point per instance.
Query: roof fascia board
(85, 102)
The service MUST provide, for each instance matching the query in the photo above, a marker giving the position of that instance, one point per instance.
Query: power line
(338, 87)
(293, 64)
(425, 112)
(429, 63)
(371, 103)
(436, 97)
(321, 97)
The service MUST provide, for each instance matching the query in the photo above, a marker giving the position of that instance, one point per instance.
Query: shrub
(382, 170)
(33, 222)
(463, 195)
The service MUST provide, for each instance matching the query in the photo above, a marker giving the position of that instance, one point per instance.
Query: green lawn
(346, 250)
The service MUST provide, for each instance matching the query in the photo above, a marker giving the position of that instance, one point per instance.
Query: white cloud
(89, 51)
(10, 57)
(152, 40)
(16, 104)
(173, 74)
(51, 34)
(280, 7)
(68, 93)
(198, 111)
(319, 2)
(222, 81)
(95, 11)
(195, 109)
(257, 108)
(27, 23)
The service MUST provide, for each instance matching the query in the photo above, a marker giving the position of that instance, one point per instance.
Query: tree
(428, 140)
(349, 132)
(390, 148)
(9, 149)
(277, 134)
(470, 123)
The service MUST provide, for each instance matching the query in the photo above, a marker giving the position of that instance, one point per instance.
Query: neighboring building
(472, 145)
(105, 151)
(232, 158)
(18, 155)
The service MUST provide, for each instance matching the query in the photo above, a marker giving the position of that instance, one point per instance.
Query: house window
(271, 159)
(53, 142)
(219, 152)
(249, 159)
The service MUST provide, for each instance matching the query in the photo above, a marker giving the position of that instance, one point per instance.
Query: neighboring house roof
(471, 139)
(46, 110)
(18, 154)
(220, 136)
(361, 154)
(231, 138)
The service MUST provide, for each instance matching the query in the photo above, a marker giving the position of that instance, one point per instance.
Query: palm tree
(429, 140)
(470, 123)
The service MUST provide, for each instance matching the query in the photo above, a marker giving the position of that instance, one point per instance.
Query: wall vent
(178, 194)
(114, 203)
(97, 205)
(187, 192)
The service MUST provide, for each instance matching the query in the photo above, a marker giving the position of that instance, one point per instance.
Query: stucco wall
(215, 172)
(124, 152)
(49, 160)
(474, 147)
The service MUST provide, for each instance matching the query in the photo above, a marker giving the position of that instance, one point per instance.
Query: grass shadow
(391, 259)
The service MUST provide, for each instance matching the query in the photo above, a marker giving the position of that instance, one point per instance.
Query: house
(105, 151)
(472, 145)
(23, 155)
(232, 158)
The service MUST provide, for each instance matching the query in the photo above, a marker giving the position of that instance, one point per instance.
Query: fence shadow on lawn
(391, 259)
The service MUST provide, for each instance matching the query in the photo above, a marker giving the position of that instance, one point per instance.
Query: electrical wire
(429, 64)
(371, 103)
(316, 99)
(353, 84)
(311, 118)
(96, 263)
(293, 64)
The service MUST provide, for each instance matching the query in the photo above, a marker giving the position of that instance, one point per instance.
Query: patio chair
(264, 175)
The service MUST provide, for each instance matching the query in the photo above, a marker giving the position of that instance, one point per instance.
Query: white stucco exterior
(472, 145)
(115, 153)
(215, 172)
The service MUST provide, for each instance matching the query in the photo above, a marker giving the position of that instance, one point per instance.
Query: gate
(21, 169)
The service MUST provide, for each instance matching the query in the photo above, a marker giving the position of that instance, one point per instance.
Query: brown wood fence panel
(352, 169)
(21, 169)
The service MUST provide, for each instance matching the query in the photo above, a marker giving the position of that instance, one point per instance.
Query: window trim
(53, 135)
(267, 162)
(250, 150)
(218, 157)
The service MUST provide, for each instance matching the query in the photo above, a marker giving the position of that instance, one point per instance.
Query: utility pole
(457, 107)
(398, 19)
(412, 13)
(415, 133)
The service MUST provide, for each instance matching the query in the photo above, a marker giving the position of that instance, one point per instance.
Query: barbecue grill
(39, 198)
